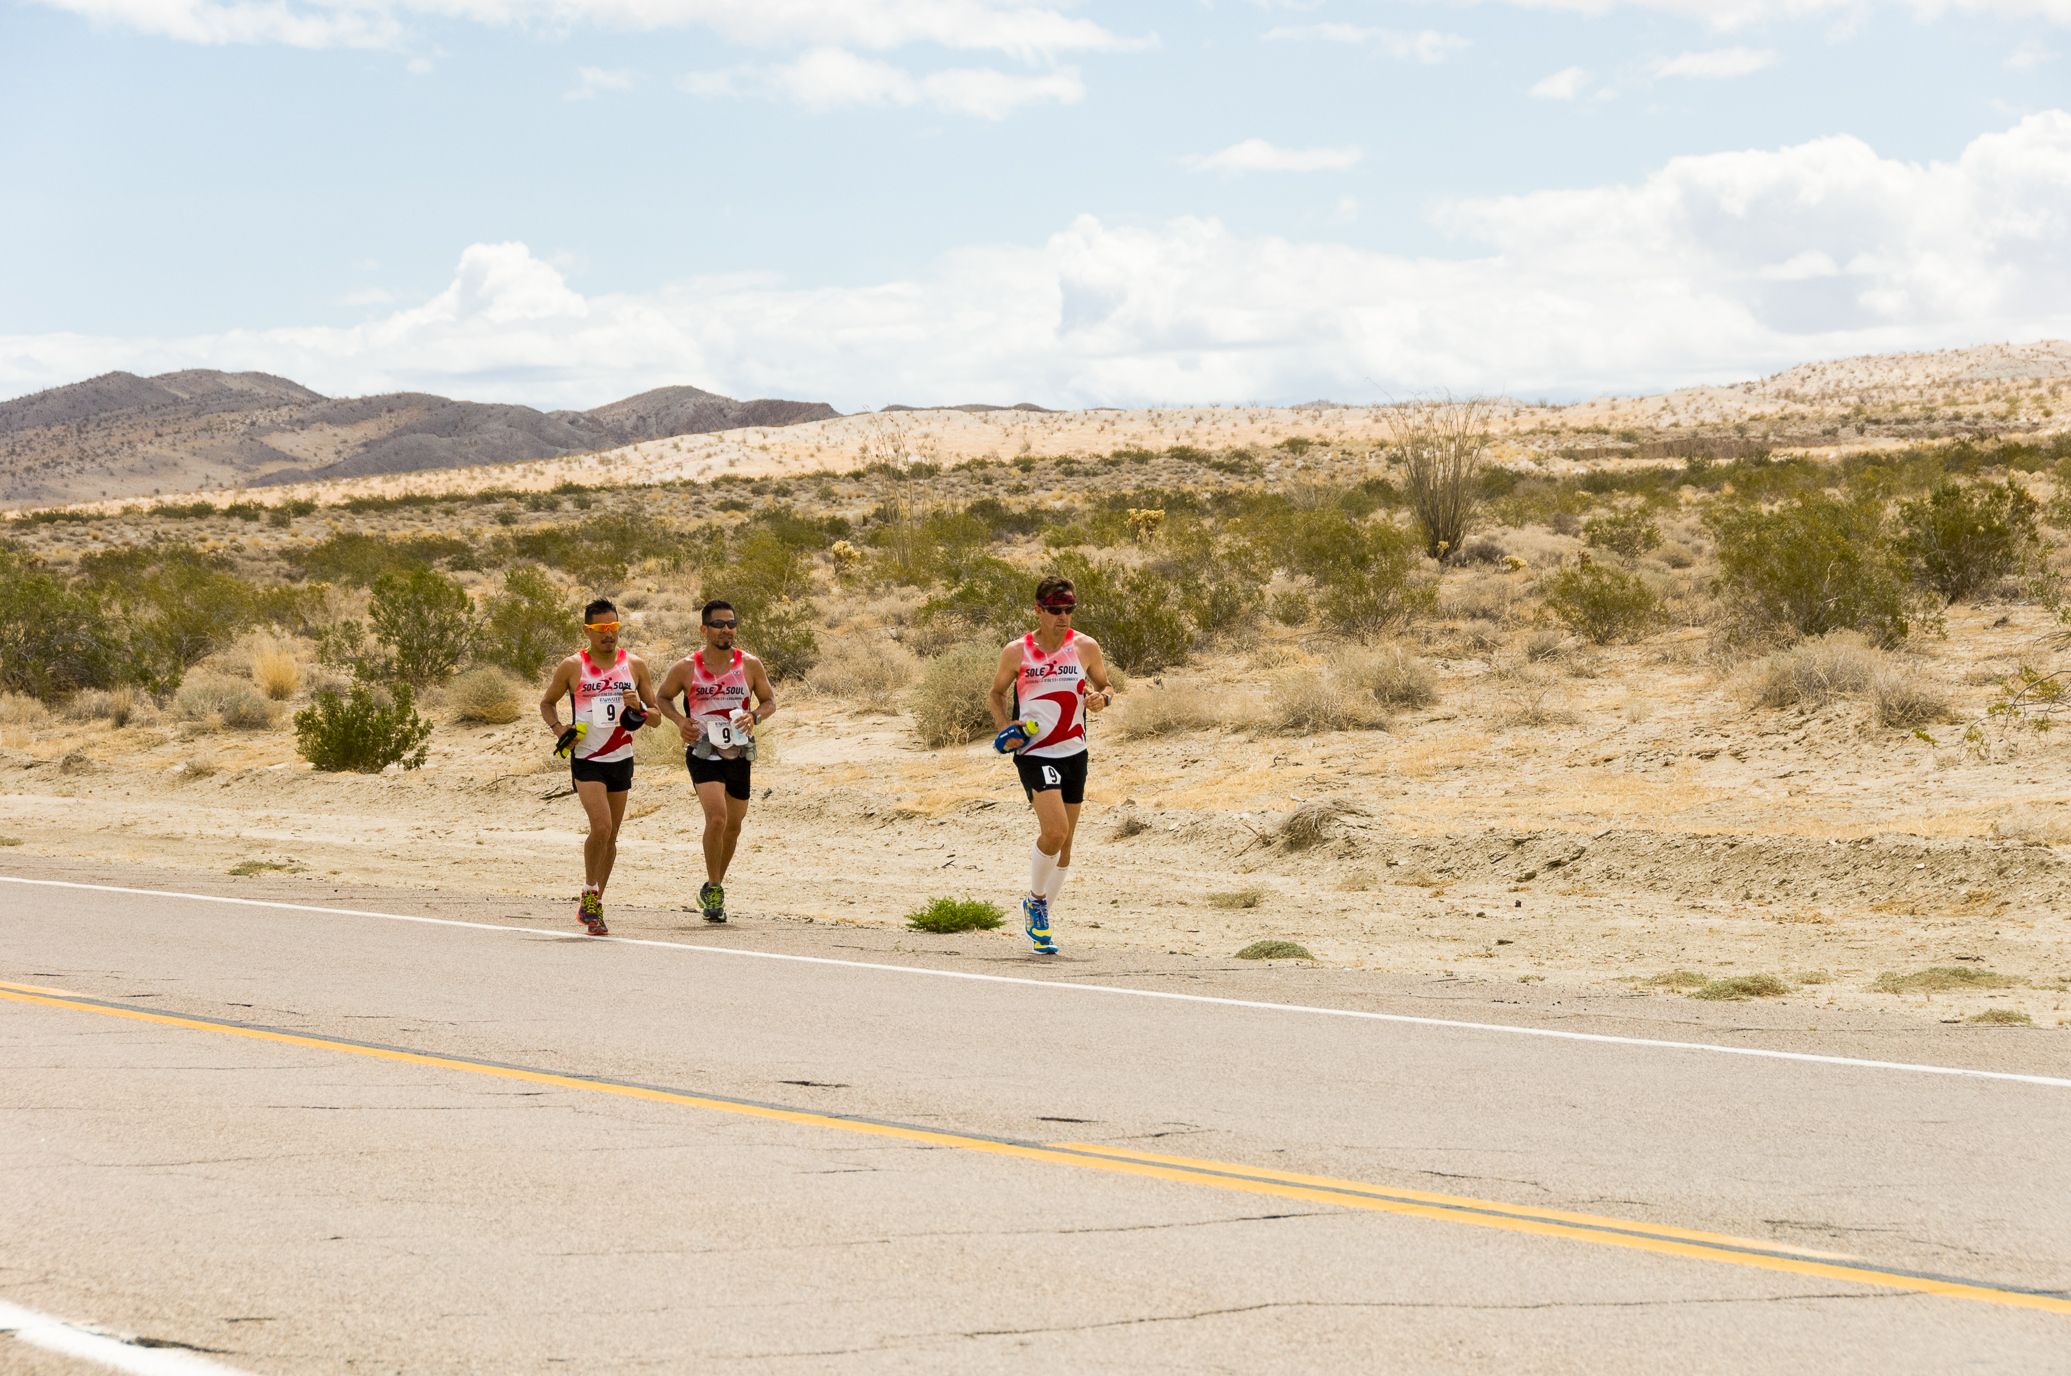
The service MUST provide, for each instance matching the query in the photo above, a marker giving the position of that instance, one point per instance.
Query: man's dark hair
(1051, 587)
(716, 605)
(602, 604)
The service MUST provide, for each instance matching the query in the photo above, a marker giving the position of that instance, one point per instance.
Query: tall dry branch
(1442, 442)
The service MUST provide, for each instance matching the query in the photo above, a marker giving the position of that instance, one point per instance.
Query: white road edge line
(2054, 1082)
(71, 1340)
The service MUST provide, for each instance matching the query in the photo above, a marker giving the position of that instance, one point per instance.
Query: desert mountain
(120, 435)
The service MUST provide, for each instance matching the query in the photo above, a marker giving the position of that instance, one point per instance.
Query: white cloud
(1727, 15)
(830, 78)
(2027, 57)
(1024, 30)
(1426, 45)
(1256, 155)
(1565, 84)
(1719, 62)
(1713, 267)
(591, 81)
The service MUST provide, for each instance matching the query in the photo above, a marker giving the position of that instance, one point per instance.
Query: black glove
(633, 718)
(569, 738)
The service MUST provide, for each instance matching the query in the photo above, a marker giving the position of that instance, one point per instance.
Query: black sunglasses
(723, 625)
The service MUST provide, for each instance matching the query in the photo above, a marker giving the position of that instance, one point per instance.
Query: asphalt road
(319, 1142)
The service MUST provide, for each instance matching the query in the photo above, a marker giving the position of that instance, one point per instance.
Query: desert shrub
(1629, 531)
(1941, 977)
(1812, 672)
(1902, 699)
(1740, 987)
(358, 559)
(1292, 608)
(487, 694)
(597, 550)
(1362, 571)
(1960, 540)
(1163, 711)
(956, 915)
(362, 734)
(1543, 645)
(2002, 1017)
(53, 640)
(526, 626)
(1238, 898)
(992, 595)
(425, 623)
(1390, 674)
(1677, 979)
(1813, 565)
(949, 703)
(870, 668)
(1441, 443)
(1321, 697)
(1483, 549)
(2030, 824)
(275, 671)
(1600, 603)
(90, 704)
(1133, 613)
(1219, 581)
(19, 709)
(232, 700)
(1275, 950)
(770, 585)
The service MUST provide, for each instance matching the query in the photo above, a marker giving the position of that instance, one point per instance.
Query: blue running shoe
(1036, 911)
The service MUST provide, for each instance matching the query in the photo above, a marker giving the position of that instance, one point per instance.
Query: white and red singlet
(599, 699)
(1052, 689)
(711, 698)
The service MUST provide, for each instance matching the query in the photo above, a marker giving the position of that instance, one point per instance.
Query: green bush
(1292, 608)
(357, 559)
(362, 735)
(597, 550)
(1275, 950)
(53, 641)
(1811, 566)
(770, 585)
(1362, 571)
(956, 915)
(528, 625)
(179, 604)
(1133, 613)
(1960, 540)
(1600, 603)
(426, 623)
(993, 595)
(1629, 531)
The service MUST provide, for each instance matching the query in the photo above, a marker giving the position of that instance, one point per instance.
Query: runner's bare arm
(641, 694)
(1001, 698)
(671, 690)
(759, 685)
(1096, 674)
(557, 688)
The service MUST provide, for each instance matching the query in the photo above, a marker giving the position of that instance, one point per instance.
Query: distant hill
(120, 435)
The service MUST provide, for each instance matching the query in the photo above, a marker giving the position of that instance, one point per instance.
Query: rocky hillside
(120, 435)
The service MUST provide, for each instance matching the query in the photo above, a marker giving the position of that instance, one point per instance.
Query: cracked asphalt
(293, 1208)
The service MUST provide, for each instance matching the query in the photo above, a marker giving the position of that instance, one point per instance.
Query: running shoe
(1036, 912)
(712, 901)
(590, 908)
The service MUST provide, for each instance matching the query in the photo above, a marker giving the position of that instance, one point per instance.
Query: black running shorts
(1041, 775)
(732, 773)
(615, 775)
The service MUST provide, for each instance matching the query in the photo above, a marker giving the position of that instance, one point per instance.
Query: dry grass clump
(1353, 688)
(1127, 825)
(1275, 950)
(1527, 705)
(1313, 822)
(949, 702)
(1164, 711)
(1677, 979)
(1942, 977)
(486, 694)
(1484, 597)
(196, 767)
(229, 701)
(19, 709)
(2002, 1017)
(1739, 987)
(1544, 644)
(275, 671)
(1813, 672)
(1899, 698)
(2030, 824)
(1390, 673)
(1239, 898)
(869, 669)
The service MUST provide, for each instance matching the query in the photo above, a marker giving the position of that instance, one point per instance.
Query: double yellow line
(1352, 1194)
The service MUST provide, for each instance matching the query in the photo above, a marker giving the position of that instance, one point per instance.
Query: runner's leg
(600, 844)
(722, 827)
(1055, 822)
(617, 804)
(736, 813)
(1061, 871)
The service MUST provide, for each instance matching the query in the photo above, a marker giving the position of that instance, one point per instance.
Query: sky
(1070, 202)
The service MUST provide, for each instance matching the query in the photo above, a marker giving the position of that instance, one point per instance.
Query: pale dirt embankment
(1664, 827)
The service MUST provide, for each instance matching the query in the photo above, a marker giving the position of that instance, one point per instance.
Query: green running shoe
(712, 902)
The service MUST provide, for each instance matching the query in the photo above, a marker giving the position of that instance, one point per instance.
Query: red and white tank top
(1052, 689)
(710, 697)
(599, 698)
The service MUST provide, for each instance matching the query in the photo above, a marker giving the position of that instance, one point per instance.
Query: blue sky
(865, 201)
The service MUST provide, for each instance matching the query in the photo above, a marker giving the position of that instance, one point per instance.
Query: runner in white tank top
(1049, 679)
(708, 696)
(611, 697)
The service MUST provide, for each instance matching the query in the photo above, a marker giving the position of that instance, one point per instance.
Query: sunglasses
(601, 626)
(723, 625)
(1057, 608)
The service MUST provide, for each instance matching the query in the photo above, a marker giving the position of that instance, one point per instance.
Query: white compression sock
(1058, 874)
(1040, 868)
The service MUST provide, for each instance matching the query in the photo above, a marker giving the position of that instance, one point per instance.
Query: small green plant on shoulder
(1677, 979)
(1629, 531)
(2002, 1017)
(1736, 988)
(956, 915)
(1241, 898)
(10, 840)
(361, 734)
(244, 869)
(1600, 603)
(1275, 950)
